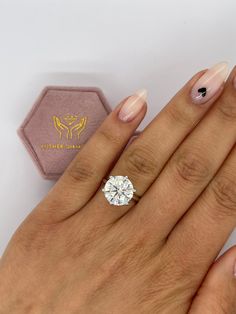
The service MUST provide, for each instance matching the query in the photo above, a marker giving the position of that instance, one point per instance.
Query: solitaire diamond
(118, 190)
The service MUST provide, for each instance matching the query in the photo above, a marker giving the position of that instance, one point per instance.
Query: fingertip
(133, 106)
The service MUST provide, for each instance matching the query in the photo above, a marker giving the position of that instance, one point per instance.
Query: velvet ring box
(59, 124)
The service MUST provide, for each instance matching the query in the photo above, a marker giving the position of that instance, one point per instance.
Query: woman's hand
(76, 253)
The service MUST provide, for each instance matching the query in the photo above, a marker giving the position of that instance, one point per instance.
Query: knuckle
(190, 167)
(35, 238)
(140, 160)
(181, 282)
(181, 261)
(227, 108)
(177, 115)
(81, 170)
(224, 193)
(123, 259)
(77, 245)
(109, 137)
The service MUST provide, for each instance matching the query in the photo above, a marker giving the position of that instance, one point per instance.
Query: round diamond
(118, 190)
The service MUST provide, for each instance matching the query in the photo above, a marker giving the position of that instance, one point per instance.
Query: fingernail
(210, 82)
(133, 105)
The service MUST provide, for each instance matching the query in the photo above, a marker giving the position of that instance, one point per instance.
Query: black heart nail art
(203, 91)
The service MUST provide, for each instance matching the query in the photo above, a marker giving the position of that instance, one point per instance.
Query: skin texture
(75, 253)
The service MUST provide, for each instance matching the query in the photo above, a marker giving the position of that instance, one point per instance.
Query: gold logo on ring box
(69, 127)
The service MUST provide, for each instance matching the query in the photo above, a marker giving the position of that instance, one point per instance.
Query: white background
(118, 45)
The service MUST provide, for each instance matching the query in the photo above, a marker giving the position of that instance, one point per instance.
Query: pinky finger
(217, 293)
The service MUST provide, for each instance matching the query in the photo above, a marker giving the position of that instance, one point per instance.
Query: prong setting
(118, 190)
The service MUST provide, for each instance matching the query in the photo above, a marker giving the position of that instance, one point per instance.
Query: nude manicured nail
(133, 105)
(209, 83)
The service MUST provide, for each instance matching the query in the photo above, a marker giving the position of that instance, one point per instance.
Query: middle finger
(146, 156)
(189, 170)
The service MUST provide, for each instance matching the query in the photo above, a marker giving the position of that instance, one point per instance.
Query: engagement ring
(119, 190)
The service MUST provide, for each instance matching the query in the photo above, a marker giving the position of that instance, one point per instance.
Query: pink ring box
(59, 124)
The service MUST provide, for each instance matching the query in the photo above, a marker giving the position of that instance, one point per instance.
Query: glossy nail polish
(133, 105)
(209, 83)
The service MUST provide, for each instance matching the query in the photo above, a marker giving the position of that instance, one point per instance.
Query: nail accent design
(209, 83)
(133, 105)
(202, 91)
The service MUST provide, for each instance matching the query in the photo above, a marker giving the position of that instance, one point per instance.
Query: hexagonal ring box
(59, 124)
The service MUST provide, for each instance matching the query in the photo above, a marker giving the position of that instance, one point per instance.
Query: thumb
(217, 294)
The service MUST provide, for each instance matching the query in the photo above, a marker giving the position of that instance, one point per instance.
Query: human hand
(76, 253)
